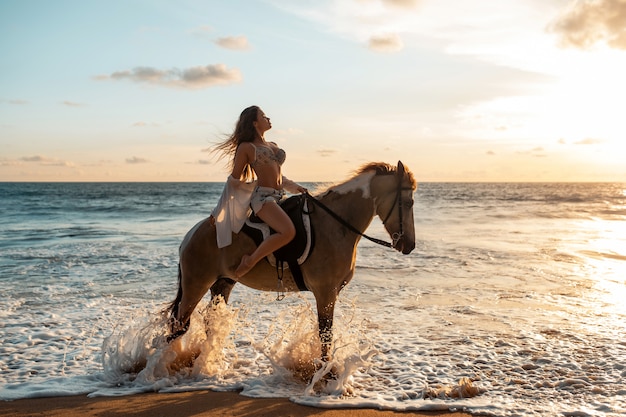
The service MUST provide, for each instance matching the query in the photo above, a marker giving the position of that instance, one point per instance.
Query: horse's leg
(325, 313)
(223, 286)
(191, 289)
(198, 270)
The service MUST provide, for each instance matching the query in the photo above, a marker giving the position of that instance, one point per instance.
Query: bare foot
(244, 267)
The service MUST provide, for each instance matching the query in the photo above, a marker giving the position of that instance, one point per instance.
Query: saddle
(295, 252)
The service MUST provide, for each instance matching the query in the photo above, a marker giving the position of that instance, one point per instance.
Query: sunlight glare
(607, 258)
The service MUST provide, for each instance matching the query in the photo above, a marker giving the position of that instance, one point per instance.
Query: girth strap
(296, 273)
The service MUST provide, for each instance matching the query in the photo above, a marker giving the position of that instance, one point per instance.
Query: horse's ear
(400, 169)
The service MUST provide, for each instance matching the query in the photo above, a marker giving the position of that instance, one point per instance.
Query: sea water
(512, 304)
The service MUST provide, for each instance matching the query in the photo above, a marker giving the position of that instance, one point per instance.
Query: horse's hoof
(176, 335)
(332, 375)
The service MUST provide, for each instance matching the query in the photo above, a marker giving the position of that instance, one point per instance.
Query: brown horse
(341, 215)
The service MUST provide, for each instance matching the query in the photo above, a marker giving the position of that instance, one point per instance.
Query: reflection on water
(603, 261)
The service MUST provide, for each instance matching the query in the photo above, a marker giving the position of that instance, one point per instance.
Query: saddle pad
(299, 248)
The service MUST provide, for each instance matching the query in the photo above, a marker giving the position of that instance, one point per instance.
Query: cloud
(237, 43)
(537, 152)
(201, 31)
(35, 158)
(46, 161)
(144, 124)
(588, 141)
(324, 153)
(62, 164)
(587, 22)
(385, 43)
(192, 78)
(490, 153)
(8, 162)
(377, 24)
(406, 4)
(18, 102)
(136, 160)
(400, 4)
(73, 104)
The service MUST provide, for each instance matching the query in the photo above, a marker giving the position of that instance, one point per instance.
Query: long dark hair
(245, 131)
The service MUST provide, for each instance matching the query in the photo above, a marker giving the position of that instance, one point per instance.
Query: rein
(396, 236)
(346, 224)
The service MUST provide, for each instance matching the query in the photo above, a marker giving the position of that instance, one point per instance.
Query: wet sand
(186, 404)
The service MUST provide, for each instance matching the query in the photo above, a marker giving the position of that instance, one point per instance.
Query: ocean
(512, 304)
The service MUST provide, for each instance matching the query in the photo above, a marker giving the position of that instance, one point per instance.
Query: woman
(253, 155)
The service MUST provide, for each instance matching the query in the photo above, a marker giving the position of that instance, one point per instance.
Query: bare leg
(277, 219)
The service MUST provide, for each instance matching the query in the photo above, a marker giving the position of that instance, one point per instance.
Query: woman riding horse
(210, 258)
(254, 155)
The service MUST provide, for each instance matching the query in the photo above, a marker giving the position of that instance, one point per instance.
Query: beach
(510, 305)
(194, 403)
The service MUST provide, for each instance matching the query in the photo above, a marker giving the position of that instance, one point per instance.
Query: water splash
(217, 351)
(137, 356)
(293, 344)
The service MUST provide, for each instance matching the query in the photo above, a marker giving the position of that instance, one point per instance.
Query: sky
(478, 90)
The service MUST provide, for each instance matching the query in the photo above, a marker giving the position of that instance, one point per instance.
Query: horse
(341, 215)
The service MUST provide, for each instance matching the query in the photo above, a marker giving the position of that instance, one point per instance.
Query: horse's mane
(379, 168)
(383, 168)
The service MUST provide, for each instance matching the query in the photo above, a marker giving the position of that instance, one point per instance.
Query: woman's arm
(292, 186)
(244, 155)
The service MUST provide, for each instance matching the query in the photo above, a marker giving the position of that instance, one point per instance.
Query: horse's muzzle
(404, 246)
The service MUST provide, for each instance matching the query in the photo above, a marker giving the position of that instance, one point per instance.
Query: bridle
(397, 200)
(395, 238)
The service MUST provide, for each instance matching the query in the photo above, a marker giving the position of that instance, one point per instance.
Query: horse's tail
(172, 311)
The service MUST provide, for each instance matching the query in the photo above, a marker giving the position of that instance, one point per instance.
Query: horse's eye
(408, 204)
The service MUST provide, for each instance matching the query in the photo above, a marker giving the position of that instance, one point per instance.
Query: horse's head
(393, 190)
